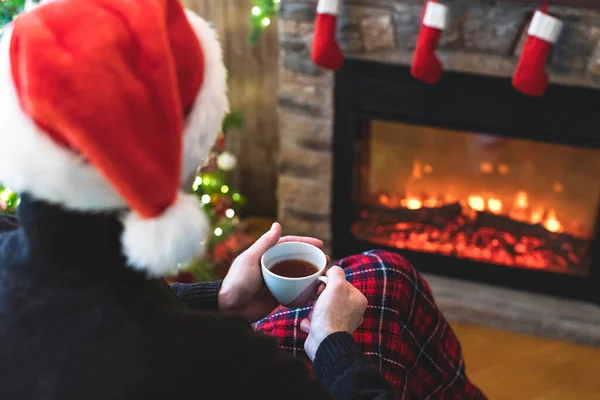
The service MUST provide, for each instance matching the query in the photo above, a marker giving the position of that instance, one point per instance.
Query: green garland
(261, 16)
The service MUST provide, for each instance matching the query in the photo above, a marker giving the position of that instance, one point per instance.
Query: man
(107, 106)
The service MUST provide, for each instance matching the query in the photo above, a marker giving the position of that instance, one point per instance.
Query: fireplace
(468, 178)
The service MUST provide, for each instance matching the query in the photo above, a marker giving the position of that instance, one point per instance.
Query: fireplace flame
(412, 203)
(476, 202)
(416, 173)
(537, 215)
(521, 200)
(494, 205)
(482, 227)
(551, 223)
(519, 210)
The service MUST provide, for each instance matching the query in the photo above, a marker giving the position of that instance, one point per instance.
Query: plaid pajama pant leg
(403, 331)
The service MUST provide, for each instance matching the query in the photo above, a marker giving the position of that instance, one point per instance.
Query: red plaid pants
(403, 331)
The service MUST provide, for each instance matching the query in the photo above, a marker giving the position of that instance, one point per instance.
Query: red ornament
(220, 144)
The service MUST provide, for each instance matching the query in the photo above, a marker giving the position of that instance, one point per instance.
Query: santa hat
(109, 105)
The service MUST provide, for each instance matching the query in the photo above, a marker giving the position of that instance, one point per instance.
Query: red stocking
(530, 77)
(426, 66)
(326, 52)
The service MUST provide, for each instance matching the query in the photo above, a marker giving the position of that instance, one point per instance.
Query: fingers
(267, 240)
(305, 325)
(320, 288)
(336, 275)
(315, 242)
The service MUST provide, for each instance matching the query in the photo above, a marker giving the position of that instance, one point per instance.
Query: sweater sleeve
(253, 365)
(342, 371)
(198, 296)
(341, 366)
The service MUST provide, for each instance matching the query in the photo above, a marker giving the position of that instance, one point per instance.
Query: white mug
(293, 292)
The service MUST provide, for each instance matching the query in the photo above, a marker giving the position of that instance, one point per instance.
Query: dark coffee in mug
(294, 268)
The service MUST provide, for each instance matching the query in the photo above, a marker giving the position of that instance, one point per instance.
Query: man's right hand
(339, 308)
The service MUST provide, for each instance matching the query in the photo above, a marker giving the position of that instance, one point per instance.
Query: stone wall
(483, 37)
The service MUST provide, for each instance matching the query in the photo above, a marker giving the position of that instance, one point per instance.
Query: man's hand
(243, 291)
(339, 308)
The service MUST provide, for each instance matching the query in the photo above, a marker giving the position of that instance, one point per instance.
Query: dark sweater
(76, 323)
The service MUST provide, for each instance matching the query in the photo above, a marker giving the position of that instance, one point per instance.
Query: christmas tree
(222, 203)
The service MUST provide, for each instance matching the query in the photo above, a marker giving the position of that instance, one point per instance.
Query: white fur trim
(157, 245)
(545, 27)
(436, 15)
(331, 7)
(205, 121)
(32, 162)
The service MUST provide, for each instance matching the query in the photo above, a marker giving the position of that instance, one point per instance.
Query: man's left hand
(243, 291)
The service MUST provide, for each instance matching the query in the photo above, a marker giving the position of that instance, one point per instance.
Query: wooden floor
(509, 366)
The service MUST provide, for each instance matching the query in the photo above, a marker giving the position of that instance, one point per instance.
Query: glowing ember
(477, 203)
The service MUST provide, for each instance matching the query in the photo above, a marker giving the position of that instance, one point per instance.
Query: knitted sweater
(76, 323)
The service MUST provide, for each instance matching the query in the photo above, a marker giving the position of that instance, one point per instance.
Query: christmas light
(6, 194)
(197, 183)
(224, 189)
(230, 213)
(205, 199)
(218, 231)
(236, 197)
(261, 16)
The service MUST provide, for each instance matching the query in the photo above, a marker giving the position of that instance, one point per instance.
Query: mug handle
(323, 279)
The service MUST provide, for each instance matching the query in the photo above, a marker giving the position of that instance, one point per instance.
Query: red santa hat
(110, 105)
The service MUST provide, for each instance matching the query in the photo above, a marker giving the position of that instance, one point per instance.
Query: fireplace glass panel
(475, 196)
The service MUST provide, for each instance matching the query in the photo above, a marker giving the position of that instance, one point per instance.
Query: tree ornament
(226, 161)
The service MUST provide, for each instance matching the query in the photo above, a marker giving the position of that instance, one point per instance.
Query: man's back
(112, 334)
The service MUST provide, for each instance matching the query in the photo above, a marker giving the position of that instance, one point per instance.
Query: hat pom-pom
(157, 245)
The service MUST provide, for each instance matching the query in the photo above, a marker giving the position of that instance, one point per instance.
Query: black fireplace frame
(366, 90)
